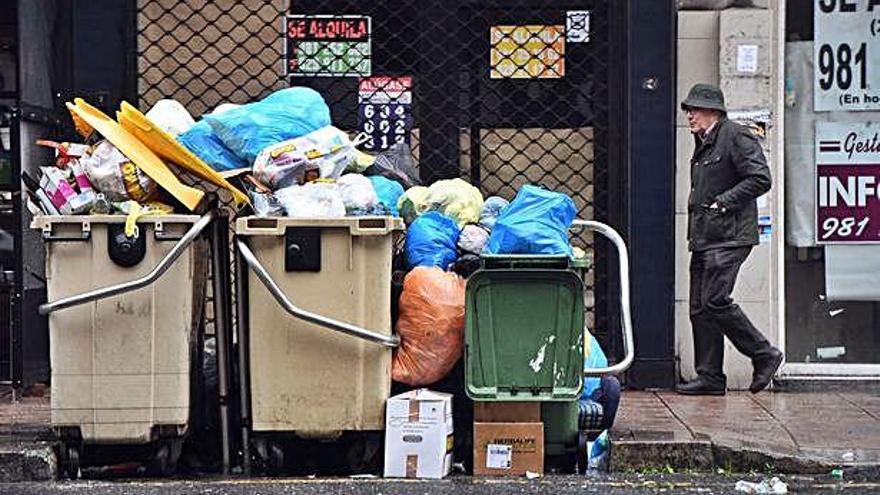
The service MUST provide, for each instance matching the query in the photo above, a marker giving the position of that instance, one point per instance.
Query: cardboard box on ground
(508, 449)
(418, 435)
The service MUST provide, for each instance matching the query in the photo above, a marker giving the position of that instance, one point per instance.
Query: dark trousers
(714, 314)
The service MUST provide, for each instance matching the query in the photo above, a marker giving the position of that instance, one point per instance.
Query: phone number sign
(846, 55)
(385, 111)
(847, 183)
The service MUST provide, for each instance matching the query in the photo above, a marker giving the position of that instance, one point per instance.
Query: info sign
(847, 183)
(846, 55)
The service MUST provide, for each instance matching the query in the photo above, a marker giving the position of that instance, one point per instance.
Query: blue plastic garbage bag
(202, 141)
(536, 222)
(431, 241)
(492, 209)
(595, 358)
(286, 114)
(389, 192)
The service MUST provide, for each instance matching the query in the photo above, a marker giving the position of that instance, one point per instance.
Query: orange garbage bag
(430, 325)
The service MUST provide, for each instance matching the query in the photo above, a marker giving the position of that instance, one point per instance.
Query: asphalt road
(560, 485)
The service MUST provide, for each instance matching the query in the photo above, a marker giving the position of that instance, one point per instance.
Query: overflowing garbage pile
(450, 226)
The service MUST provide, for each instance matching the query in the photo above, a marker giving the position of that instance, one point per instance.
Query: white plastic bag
(313, 200)
(328, 150)
(171, 116)
(473, 239)
(113, 174)
(358, 192)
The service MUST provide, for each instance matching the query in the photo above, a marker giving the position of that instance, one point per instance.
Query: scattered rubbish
(772, 486)
(363, 476)
(830, 352)
(114, 175)
(598, 453)
(849, 457)
(835, 312)
(532, 475)
(837, 474)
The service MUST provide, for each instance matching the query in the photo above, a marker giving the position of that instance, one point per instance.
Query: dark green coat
(729, 168)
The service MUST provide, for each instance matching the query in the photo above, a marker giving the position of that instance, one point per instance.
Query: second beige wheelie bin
(316, 336)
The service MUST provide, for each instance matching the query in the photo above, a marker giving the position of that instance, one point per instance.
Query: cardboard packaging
(418, 435)
(507, 412)
(508, 449)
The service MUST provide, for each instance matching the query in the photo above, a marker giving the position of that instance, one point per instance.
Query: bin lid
(524, 335)
(88, 118)
(168, 148)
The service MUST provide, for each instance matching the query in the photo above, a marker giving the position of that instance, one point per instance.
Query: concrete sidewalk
(26, 440)
(787, 432)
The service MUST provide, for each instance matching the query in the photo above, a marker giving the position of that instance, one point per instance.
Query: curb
(32, 462)
(707, 456)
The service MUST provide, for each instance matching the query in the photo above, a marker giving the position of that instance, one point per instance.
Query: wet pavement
(792, 431)
(457, 485)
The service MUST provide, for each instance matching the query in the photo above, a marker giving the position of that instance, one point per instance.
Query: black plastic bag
(396, 163)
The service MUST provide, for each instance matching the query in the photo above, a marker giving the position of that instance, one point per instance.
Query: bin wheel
(70, 462)
(269, 456)
(164, 462)
(582, 455)
(362, 454)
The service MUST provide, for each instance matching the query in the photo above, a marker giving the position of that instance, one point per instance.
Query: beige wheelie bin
(123, 313)
(316, 339)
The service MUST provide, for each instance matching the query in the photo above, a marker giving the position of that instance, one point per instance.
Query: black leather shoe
(700, 386)
(765, 370)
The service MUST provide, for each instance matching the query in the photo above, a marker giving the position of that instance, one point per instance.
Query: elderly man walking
(728, 173)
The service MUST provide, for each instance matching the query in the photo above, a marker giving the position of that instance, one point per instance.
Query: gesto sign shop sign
(847, 182)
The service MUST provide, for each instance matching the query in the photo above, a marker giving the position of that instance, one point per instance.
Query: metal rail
(138, 283)
(625, 313)
(353, 330)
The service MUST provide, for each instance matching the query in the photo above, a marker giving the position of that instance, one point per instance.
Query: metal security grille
(502, 93)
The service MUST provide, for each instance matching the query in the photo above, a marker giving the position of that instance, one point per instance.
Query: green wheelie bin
(524, 336)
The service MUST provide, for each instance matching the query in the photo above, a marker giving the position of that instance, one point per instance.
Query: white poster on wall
(846, 54)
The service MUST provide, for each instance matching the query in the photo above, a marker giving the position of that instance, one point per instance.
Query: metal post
(219, 246)
(244, 383)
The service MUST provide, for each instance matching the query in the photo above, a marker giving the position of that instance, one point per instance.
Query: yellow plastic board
(88, 117)
(164, 145)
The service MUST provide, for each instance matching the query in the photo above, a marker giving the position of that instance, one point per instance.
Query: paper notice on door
(498, 456)
(747, 58)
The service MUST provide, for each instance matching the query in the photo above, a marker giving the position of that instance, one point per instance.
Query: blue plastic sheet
(286, 114)
(202, 141)
(389, 192)
(431, 241)
(536, 222)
